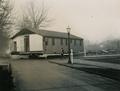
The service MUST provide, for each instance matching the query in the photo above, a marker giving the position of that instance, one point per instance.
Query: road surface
(40, 75)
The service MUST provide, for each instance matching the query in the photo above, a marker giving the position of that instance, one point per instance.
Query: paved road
(40, 75)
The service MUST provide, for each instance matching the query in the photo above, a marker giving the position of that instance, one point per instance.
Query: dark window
(53, 41)
(66, 42)
(61, 41)
(80, 42)
(46, 41)
(74, 42)
(70, 40)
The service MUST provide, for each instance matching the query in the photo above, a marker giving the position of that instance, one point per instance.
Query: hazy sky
(95, 20)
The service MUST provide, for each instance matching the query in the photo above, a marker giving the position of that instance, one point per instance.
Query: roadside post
(69, 51)
(71, 54)
(84, 51)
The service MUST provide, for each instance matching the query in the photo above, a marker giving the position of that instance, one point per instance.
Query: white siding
(11, 48)
(20, 43)
(36, 42)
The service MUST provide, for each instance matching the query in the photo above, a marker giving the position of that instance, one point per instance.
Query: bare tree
(5, 15)
(5, 23)
(35, 17)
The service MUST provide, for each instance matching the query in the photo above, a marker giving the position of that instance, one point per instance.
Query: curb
(64, 65)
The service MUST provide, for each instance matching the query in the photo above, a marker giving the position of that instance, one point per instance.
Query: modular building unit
(40, 42)
(27, 44)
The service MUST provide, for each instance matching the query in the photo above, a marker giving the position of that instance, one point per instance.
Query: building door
(26, 43)
(15, 46)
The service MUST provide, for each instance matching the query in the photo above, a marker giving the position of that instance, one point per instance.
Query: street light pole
(69, 59)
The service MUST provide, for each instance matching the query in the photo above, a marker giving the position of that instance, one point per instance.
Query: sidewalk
(99, 64)
(108, 70)
(86, 63)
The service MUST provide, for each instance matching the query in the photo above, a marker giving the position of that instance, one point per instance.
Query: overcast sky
(95, 20)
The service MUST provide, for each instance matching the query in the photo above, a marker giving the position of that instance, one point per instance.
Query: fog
(94, 20)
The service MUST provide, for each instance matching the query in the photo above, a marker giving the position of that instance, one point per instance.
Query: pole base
(69, 62)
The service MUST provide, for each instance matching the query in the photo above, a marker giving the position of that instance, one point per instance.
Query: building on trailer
(39, 42)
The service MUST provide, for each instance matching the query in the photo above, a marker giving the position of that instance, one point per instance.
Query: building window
(74, 42)
(80, 42)
(70, 40)
(46, 41)
(61, 41)
(53, 41)
(66, 42)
